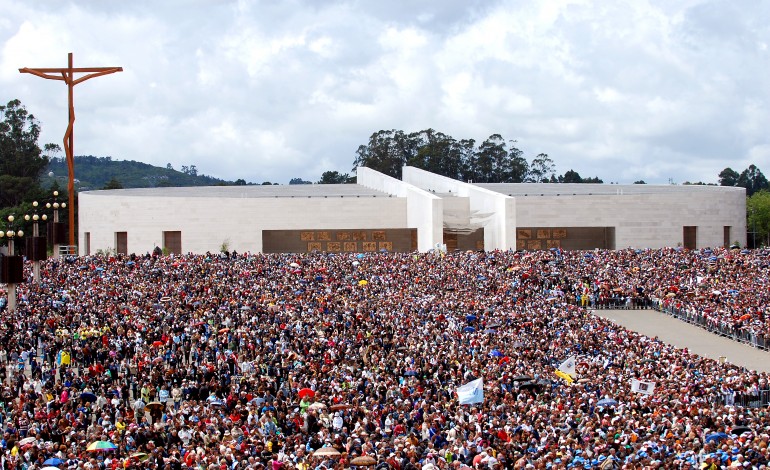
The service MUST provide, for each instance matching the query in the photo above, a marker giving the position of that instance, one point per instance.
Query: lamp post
(56, 232)
(11, 266)
(36, 245)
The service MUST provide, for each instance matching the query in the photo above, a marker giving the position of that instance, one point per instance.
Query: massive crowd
(318, 361)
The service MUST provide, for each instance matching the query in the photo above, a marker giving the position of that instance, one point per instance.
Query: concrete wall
(495, 211)
(206, 223)
(643, 220)
(424, 211)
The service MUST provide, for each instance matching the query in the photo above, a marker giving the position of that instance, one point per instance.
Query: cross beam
(67, 75)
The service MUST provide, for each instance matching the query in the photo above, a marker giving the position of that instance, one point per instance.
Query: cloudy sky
(620, 89)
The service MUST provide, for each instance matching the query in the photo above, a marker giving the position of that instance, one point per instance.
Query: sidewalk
(684, 335)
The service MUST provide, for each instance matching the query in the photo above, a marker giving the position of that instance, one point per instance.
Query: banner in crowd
(641, 386)
(568, 366)
(472, 392)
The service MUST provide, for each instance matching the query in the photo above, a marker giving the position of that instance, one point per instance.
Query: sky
(658, 90)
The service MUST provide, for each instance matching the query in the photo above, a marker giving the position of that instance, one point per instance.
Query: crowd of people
(320, 361)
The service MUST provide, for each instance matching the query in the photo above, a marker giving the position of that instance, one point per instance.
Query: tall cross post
(67, 75)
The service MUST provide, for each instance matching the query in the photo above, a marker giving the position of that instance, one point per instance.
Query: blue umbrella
(470, 318)
(53, 462)
(490, 331)
(496, 353)
(360, 256)
(469, 329)
(88, 396)
(606, 402)
(716, 437)
(410, 373)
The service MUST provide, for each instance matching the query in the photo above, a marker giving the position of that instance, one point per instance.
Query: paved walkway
(684, 335)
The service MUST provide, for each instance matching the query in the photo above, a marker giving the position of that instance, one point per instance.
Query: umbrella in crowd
(101, 446)
(606, 402)
(305, 393)
(326, 452)
(716, 437)
(140, 456)
(154, 405)
(364, 461)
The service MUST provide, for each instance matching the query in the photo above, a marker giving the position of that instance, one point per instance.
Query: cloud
(275, 90)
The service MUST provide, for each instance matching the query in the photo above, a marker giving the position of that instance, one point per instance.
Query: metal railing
(716, 326)
(67, 250)
(760, 399)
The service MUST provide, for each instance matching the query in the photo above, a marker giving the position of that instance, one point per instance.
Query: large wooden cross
(67, 75)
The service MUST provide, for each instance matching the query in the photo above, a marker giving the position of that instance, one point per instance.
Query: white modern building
(419, 212)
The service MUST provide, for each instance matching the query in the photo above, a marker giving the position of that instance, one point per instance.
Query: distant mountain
(93, 173)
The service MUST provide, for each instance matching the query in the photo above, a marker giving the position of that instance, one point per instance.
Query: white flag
(472, 392)
(640, 386)
(568, 366)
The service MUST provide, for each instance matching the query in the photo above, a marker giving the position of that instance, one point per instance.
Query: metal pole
(36, 264)
(11, 287)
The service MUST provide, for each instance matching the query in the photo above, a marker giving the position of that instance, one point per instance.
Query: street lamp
(11, 266)
(56, 230)
(36, 245)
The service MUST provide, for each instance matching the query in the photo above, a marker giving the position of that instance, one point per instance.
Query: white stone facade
(642, 216)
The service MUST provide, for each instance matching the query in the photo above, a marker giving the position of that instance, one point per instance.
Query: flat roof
(249, 191)
(585, 189)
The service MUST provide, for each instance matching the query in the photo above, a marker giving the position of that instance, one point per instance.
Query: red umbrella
(306, 392)
(157, 344)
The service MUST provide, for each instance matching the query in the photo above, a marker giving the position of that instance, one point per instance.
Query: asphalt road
(684, 335)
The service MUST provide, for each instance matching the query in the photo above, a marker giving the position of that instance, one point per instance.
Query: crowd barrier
(721, 328)
(759, 399)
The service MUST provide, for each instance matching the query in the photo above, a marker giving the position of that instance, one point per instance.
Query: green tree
(728, 177)
(758, 216)
(435, 153)
(570, 176)
(639, 182)
(541, 169)
(752, 179)
(113, 183)
(299, 181)
(387, 152)
(334, 177)
(21, 159)
(491, 160)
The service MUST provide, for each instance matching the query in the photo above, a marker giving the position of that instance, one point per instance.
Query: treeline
(751, 178)
(494, 160)
(104, 172)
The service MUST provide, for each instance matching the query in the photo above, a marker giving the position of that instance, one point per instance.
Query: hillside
(95, 172)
